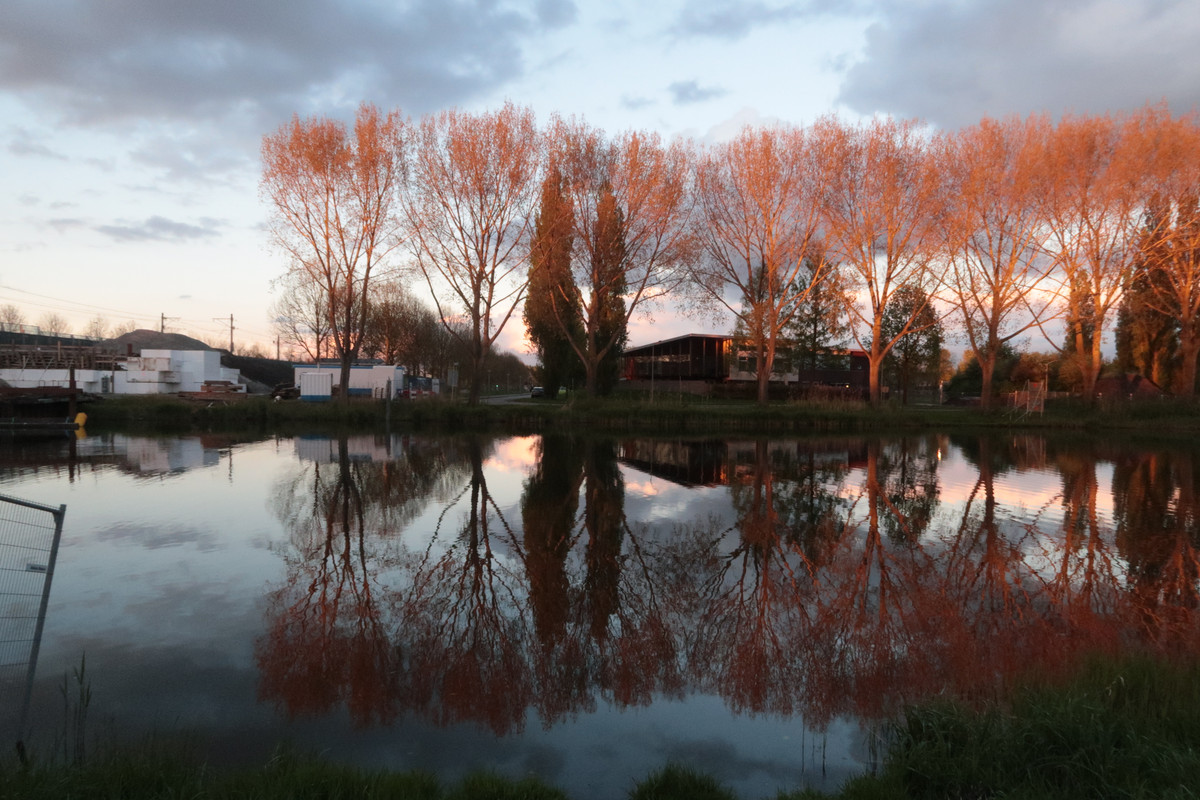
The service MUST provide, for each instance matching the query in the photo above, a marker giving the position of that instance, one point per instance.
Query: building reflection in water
(844, 576)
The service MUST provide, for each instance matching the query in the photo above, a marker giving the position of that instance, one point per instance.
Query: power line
(68, 302)
(75, 307)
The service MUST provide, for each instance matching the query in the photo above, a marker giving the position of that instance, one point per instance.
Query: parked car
(285, 391)
(537, 391)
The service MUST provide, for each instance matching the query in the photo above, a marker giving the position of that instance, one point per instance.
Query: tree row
(882, 229)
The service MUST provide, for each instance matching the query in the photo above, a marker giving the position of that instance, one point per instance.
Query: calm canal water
(588, 609)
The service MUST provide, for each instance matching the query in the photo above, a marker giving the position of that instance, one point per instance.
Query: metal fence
(29, 537)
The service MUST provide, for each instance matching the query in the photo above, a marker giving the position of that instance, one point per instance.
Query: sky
(130, 129)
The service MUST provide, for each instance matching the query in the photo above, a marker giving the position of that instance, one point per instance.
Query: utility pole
(222, 319)
(162, 322)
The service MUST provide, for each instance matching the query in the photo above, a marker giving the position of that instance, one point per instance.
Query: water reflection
(329, 635)
(842, 577)
(439, 601)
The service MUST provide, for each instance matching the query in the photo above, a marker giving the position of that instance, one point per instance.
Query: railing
(35, 330)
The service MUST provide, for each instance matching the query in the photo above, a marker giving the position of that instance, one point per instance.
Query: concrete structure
(153, 372)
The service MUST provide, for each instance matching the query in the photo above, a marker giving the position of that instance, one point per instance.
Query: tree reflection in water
(843, 577)
(328, 642)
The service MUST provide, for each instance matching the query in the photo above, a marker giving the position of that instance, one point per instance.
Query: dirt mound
(134, 342)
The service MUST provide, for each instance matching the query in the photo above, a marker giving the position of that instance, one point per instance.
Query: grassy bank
(625, 413)
(1127, 728)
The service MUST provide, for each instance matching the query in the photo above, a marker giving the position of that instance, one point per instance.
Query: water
(587, 609)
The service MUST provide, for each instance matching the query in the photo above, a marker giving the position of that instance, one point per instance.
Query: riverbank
(1117, 728)
(681, 414)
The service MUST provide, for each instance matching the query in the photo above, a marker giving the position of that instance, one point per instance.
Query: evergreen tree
(607, 293)
(552, 312)
(1081, 325)
(916, 356)
(1147, 339)
(818, 328)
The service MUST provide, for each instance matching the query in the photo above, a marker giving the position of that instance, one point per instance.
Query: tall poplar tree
(552, 314)
(1146, 338)
(608, 290)
(333, 195)
(632, 238)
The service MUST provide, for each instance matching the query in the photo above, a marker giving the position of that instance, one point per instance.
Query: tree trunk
(591, 372)
(1189, 350)
(345, 378)
(874, 362)
(766, 361)
(1090, 367)
(987, 368)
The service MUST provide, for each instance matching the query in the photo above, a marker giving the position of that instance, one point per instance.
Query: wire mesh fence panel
(29, 537)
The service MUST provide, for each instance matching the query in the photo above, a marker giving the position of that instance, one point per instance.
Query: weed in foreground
(675, 782)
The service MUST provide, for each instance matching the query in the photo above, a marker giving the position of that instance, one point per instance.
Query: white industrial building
(316, 381)
(153, 372)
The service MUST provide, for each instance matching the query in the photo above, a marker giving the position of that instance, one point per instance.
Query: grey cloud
(952, 63)
(240, 67)
(24, 142)
(635, 103)
(160, 229)
(686, 92)
(192, 157)
(730, 19)
(64, 224)
(555, 13)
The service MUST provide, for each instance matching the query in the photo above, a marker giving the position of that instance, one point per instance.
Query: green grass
(1127, 728)
(675, 781)
(162, 772)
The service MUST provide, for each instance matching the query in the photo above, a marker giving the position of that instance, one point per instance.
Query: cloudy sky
(130, 129)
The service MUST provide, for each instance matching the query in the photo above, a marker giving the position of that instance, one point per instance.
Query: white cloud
(952, 63)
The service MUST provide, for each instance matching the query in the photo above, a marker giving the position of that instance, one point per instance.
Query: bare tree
(474, 182)
(129, 326)
(97, 329)
(995, 236)
(394, 325)
(632, 242)
(54, 324)
(882, 215)
(1096, 179)
(11, 315)
(333, 195)
(760, 213)
(302, 317)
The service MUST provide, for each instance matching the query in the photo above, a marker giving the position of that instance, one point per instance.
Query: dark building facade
(712, 358)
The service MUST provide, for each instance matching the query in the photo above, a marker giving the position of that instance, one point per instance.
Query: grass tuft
(675, 782)
(487, 786)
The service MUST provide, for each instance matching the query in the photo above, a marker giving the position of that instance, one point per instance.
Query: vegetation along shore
(666, 413)
(1126, 727)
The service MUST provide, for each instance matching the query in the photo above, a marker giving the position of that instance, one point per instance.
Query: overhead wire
(68, 302)
(76, 307)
